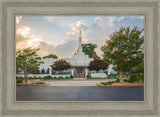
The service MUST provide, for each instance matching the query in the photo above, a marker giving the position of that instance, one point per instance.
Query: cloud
(79, 25)
(74, 34)
(67, 49)
(70, 36)
(64, 36)
(49, 18)
(18, 19)
(141, 17)
(25, 38)
(45, 48)
(100, 30)
(24, 30)
(120, 18)
(97, 33)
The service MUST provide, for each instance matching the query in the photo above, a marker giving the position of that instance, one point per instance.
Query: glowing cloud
(18, 18)
(120, 18)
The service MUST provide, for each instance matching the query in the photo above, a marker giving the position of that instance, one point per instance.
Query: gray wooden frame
(150, 9)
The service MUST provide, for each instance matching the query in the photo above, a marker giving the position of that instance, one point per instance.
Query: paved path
(76, 82)
(79, 93)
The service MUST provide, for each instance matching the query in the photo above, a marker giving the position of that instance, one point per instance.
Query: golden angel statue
(80, 32)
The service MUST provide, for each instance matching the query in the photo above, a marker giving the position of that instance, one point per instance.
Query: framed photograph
(79, 58)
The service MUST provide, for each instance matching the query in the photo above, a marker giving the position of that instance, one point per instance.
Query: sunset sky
(59, 34)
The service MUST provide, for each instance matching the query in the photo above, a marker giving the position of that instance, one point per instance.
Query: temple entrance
(79, 72)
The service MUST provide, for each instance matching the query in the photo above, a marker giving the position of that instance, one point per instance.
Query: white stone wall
(42, 75)
(99, 75)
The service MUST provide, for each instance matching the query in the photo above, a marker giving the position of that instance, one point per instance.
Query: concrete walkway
(76, 82)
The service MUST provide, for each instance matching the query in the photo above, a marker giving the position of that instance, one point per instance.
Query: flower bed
(121, 84)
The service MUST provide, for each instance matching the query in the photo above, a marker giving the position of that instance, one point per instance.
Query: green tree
(138, 68)
(47, 72)
(34, 70)
(51, 56)
(88, 49)
(97, 64)
(43, 71)
(27, 61)
(38, 71)
(124, 49)
(60, 65)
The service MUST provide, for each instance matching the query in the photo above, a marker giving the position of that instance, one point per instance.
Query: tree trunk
(121, 75)
(25, 77)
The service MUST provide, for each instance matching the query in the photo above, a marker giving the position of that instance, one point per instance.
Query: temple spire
(80, 47)
(79, 37)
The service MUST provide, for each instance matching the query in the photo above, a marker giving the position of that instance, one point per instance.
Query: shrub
(19, 80)
(55, 77)
(60, 77)
(88, 76)
(110, 82)
(71, 76)
(47, 77)
(138, 77)
(117, 80)
(40, 82)
(133, 78)
(126, 80)
(66, 77)
(107, 83)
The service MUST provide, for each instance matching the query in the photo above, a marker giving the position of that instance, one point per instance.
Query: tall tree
(47, 72)
(124, 49)
(34, 70)
(138, 68)
(51, 56)
(43, 71)
(97, 64)
(60, 65)
(89, 49)
(27, 61)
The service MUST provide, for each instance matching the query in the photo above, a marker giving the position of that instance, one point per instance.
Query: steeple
(80, 47)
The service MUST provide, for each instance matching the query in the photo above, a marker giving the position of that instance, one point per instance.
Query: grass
(110, 82)
(39, 83)
(107, 83)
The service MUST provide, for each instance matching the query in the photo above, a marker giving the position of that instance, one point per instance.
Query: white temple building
(79, 64)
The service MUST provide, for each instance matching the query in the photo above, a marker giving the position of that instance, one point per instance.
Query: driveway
(79, 93)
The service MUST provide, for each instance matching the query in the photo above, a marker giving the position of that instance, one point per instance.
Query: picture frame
(12, 108)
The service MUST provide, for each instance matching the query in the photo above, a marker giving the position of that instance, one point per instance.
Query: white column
(50, 71)
(72, 72)
(86, 73)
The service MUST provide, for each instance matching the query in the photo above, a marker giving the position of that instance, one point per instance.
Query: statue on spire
(80, 47)
(79, 32)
